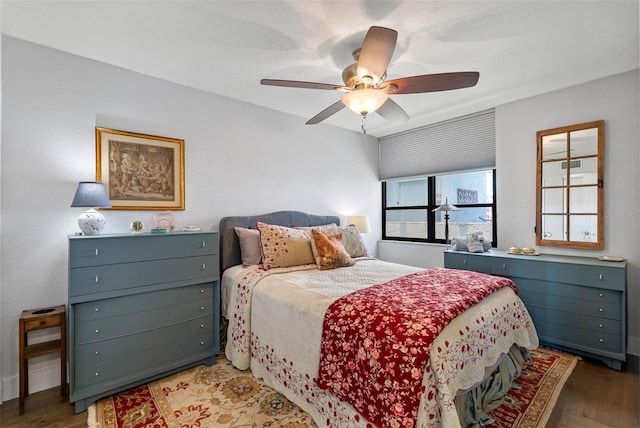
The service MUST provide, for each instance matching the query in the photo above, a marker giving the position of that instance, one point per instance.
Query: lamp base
(91, 222)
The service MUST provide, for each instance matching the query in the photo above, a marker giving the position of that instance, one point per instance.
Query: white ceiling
(520, 48)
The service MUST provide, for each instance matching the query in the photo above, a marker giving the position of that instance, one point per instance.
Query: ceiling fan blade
(376, 51)
(392, 111)
(299, 84)
(324, 114)
(433, 82)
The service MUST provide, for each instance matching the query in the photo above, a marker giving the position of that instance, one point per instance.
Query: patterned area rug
(222, 396)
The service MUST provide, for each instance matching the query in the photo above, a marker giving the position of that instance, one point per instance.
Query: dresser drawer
(568, 290)
(99, 279)
(586, 275)
(594, 324)
(135, 303)
(145, 363)
(577, 337)
(576, 306)
(467, 261)
(94, 352)
(106, 328)
(105, 250)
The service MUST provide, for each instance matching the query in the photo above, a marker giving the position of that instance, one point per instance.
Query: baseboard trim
(633, 346)
(40, 379)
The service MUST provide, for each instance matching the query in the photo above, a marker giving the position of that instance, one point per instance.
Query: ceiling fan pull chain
(364, 131)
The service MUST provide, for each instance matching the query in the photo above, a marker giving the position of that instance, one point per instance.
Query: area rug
(222, 396)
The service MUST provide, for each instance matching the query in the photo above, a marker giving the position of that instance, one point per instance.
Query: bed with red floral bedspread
(435, 334)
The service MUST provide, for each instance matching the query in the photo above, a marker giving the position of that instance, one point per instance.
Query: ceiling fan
(365, 87)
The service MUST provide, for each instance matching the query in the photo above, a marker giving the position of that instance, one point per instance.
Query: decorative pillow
(283, 246)
(328, 250)
(352, 241)
(351, 238)
(250, 251)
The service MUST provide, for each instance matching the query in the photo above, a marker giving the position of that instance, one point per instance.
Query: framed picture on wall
(139, 171)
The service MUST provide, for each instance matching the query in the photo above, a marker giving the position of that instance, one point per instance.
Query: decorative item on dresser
(578, 304)
(91, 194)
(140, 307)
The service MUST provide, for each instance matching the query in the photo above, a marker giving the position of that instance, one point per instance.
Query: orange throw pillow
(328, 250)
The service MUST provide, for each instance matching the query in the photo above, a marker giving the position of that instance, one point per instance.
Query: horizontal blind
(462, 144)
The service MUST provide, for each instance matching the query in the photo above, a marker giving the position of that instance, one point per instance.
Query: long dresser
(577, 304)
(140, 307)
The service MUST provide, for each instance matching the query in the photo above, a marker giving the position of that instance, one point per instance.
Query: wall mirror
(569, 188)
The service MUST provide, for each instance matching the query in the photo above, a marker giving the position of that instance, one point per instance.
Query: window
(408, 205)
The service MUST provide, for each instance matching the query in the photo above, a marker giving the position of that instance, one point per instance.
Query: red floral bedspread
(376, 341)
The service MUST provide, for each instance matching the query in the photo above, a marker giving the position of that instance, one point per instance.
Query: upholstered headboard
(230, 246)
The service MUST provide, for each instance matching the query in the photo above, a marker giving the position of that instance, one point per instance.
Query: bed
(280, 326)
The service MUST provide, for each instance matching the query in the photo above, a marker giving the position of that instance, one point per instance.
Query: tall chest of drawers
(577, 304)
(140, 307)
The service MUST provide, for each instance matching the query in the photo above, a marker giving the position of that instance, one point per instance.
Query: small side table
(38, 319)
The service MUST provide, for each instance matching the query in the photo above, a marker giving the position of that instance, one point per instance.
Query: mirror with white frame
(569, 187)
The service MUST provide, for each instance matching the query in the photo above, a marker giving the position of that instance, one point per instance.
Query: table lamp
(361, 222)
(446, 207)
(91, 194)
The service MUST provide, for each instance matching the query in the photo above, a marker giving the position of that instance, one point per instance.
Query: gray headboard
(230, 246)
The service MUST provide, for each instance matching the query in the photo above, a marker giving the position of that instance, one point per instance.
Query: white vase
(91, 222)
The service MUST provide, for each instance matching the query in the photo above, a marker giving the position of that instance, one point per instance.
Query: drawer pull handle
(203, 267)
(97, 374)
(96, 353)
(601, 294)
(601, 340)
(464, 262)
(202, 290)
(97, 279)
(96, 310)
(601, 326)
(202, 308)
(203, 244)
(201, 325)
(201, 343)
(97, 330)
(97, 252)
(601, 277)
(504, 265)
(601, 310)
(43, 322)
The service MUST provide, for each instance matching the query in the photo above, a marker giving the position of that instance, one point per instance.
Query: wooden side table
(38, 319)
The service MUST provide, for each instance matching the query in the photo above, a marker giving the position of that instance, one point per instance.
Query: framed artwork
(140, 172)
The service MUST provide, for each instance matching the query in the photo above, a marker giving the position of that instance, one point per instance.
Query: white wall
(614, 99)
(239, 159)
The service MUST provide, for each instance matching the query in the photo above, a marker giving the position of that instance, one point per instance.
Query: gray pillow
(250, 251)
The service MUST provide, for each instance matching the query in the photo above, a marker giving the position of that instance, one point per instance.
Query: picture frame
(140, 171)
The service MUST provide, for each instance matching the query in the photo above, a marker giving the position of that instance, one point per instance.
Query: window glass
(466, 188)
(407, 224)
(409, 204)
(407, 193)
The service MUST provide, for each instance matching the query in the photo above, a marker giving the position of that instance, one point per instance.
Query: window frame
(431, 216)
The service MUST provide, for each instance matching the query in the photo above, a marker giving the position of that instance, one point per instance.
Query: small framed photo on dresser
(139, 171)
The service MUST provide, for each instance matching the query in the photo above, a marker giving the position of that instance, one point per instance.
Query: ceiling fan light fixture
(365, 101)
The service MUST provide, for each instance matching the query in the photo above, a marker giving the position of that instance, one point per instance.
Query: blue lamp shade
(93, 195)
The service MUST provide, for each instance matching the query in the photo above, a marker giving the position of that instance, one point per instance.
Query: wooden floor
(593, 397)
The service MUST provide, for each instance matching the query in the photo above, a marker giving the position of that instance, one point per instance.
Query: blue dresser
(577, 304)
(140, 307)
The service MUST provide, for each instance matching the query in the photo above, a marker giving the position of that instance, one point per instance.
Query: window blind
(465, 143)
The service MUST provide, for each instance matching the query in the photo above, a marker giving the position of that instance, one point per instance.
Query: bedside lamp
(91, 194)
(446, 207)
(361, 222)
